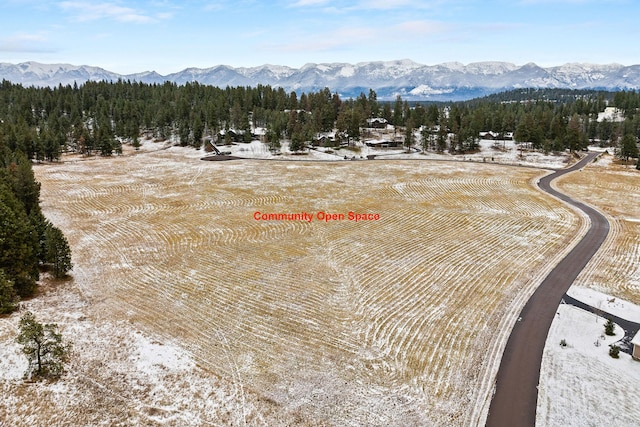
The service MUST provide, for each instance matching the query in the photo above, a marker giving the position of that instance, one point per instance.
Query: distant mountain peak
(411, 80)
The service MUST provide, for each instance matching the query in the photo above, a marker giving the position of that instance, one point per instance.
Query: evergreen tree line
(28, 241)
(97, 117)
(546, 120)
(555, 120)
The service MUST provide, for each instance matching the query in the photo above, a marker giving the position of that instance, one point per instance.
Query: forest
(96, 118)
(29, 243)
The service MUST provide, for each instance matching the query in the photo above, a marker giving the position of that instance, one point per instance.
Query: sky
(168, 35)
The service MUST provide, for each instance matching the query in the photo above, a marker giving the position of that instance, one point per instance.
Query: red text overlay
(318, 216)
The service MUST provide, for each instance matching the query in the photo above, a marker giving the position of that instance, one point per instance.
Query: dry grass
(615, 190)
(400, 321)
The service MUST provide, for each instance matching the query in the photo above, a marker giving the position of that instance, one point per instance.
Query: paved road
(516, 392)
(630, 328)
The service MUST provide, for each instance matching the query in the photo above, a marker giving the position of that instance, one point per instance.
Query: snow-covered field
(117, 376)
(580, 384)
(497, 152)
(120, 376)
(185, 310)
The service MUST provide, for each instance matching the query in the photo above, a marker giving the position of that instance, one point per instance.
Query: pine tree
(198, 131)
(43, 346)
(614, 351)
(296, 141)
(398, 119)
(409, 137)
(609, 327)
(57, 251)
(8, 298)
(427, 138)
(575, 138)
(628, 147)
(18, 244)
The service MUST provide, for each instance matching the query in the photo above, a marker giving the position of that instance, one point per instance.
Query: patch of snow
(499, 152)
(428, 90)
(580, 384)
(116, 375)
(13, 363)
(347, 71)
(611, 114)
(154, 356)
(606, 303)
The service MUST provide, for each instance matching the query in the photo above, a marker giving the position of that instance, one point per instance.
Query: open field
(615, 190)
(399, 321)
(582, 385)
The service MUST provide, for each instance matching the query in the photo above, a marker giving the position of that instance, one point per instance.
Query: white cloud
(215, 6)
(24, 42)
(361, 38)
(421, 27)
(355, 6)
(303, 3)
(335, 40)
(88, 11)
(534, 2)
(387, 4)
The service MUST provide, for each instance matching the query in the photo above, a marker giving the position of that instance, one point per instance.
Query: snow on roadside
(580, 384)
(606, 303)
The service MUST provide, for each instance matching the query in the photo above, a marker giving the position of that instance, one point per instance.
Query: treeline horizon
(97, 117)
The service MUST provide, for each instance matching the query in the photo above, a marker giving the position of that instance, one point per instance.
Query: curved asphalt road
(630, 328)
(516, 391)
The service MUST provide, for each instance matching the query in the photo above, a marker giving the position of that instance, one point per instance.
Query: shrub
(609, 327)
(614, 351)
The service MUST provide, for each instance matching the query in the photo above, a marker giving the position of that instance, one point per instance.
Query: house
(491, 135)
(382, 143)
(635, 342)
(377, 123)
(325, 139)
(234, 135)
(488, 135)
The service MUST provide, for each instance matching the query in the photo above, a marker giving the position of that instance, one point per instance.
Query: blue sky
(168, 36)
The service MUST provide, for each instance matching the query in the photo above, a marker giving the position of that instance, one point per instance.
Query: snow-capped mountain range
(413, 81)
